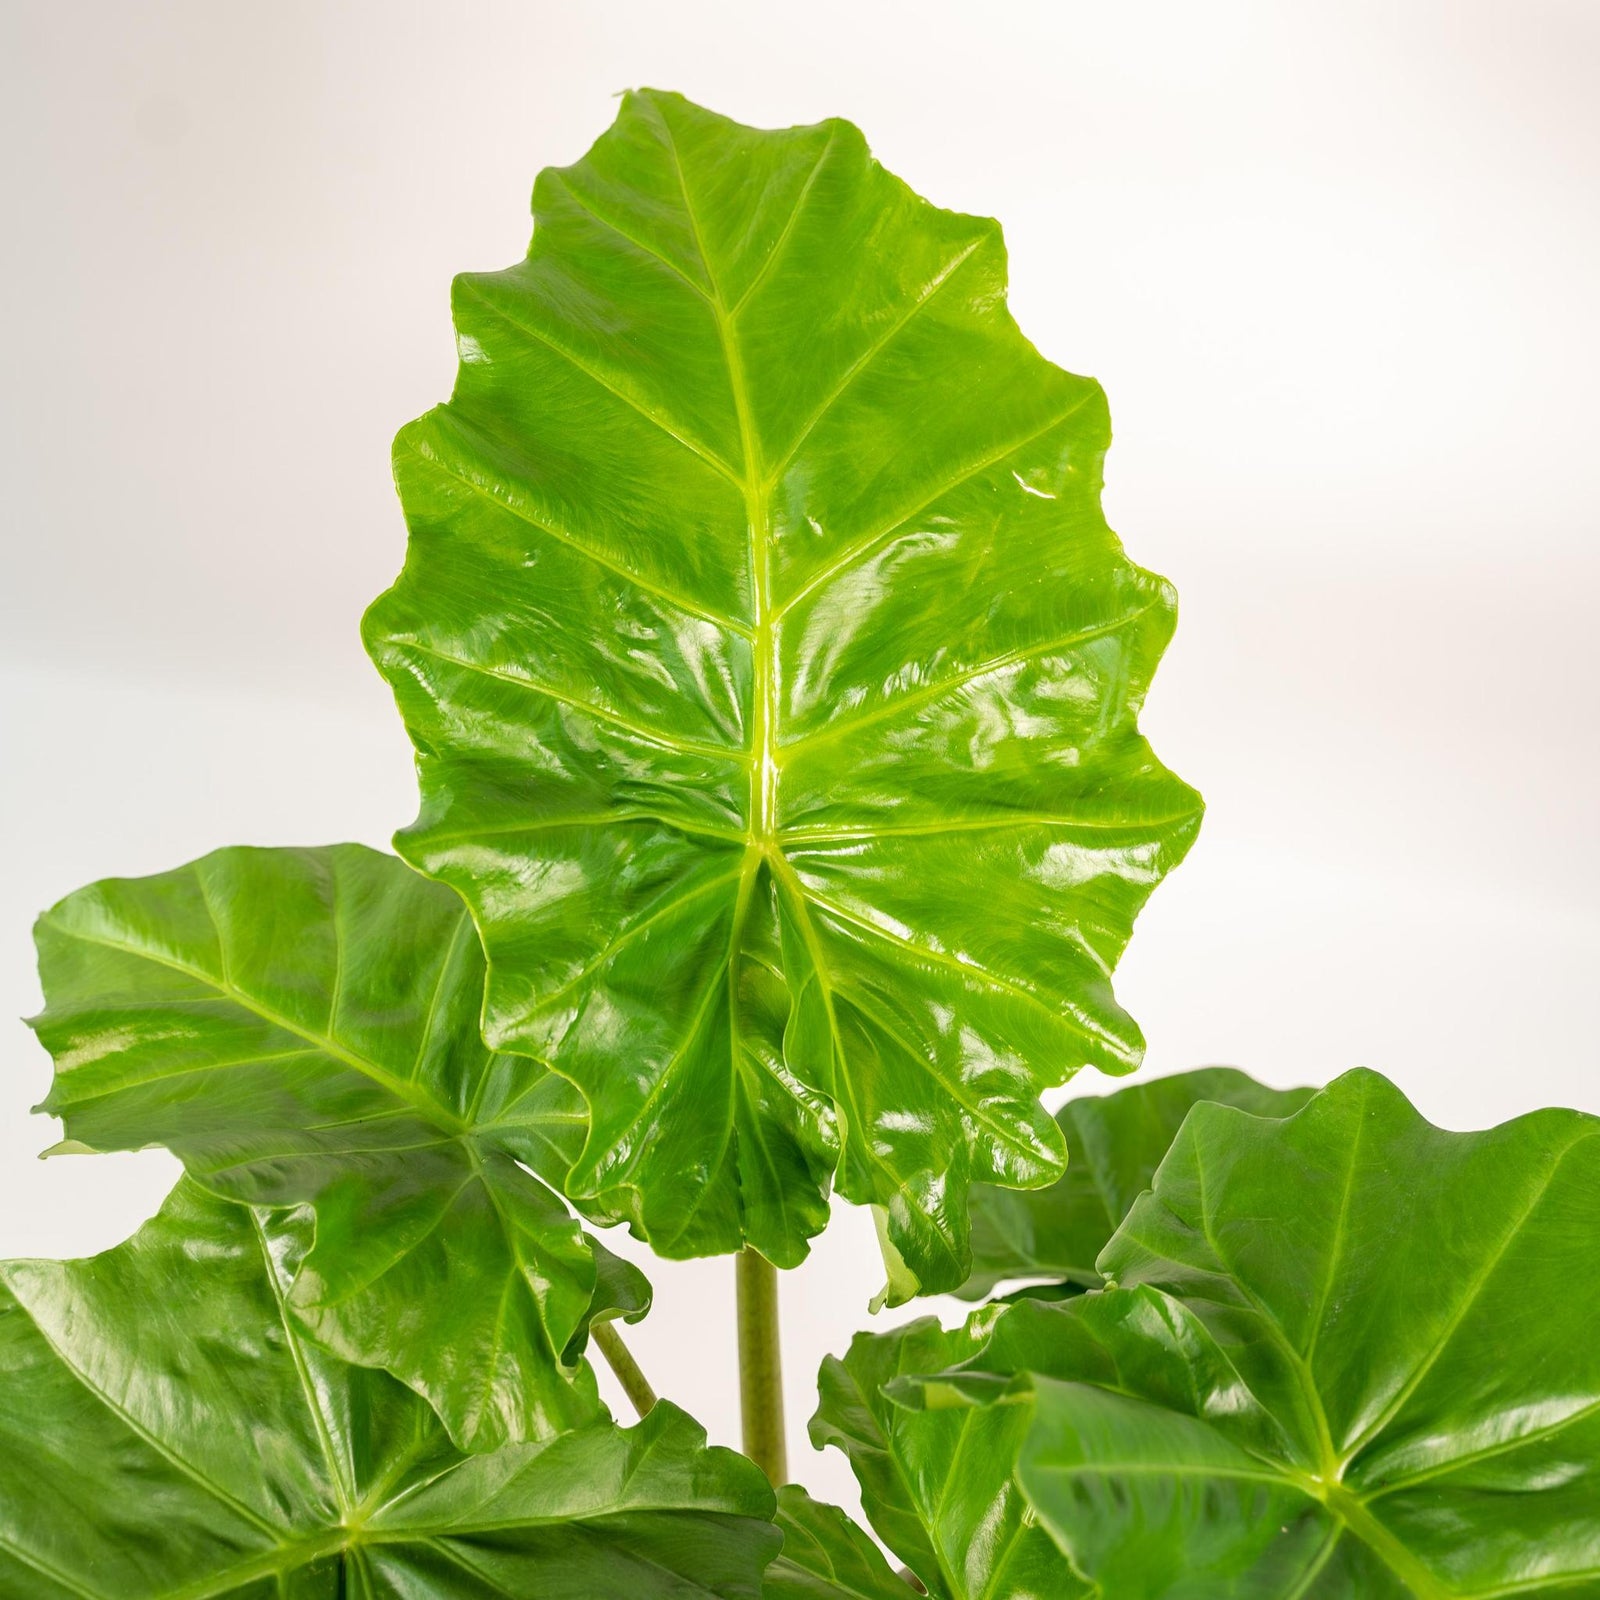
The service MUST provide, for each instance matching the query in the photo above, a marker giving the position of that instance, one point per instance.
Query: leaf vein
(860, 547)
(586, 708)
(873, 351)
(562, 536)
(937, 691)
(667, 425)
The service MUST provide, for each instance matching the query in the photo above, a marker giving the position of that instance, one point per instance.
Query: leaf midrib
(762, 818)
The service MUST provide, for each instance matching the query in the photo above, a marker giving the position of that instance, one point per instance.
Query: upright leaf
(1117, 1142)
(938, 1486)
(1351, 1355)
(302, 1025)
(773, 676)
(826, 1556)
(166, 1433)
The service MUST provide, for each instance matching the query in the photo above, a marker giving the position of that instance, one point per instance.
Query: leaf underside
(1347, 1354)
(168, 1434)
(773, 676)
(302, 1026)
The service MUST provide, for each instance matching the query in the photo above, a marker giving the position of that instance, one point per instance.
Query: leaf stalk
(620, 1359)
(761, 1366)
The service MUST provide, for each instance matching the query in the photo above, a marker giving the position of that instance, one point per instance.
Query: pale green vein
(631, 932)
(343, 1489)
(953, 1467)
(765, 702)
(562, 536)
(489, 1376)
(145, 1079)
(1320, 1557)
(422, 1440)
(947, 1086)
(1329, 1463)
(1173, 1469)
(1000, 1557)
(336, 917)
(1490, 1452)
(637, 730)
(38, 1564)
(874, 350)
(1383, 1544)
(357, 1559)
(429, 1107)
(199, 870)
(1069, 1017)
(392, 1258)
(521, 1273)
(209, 1176)
(897, 520)
(778, 245)
(866, 833)
(167, 1453)
(748, 874)
(696, 1022)
(634, 402)
(895, 706)
(586, 204)
(1474, 1289)
(1550, 1580)
(602, 819)
(1340, 1228)
(283, 1558)
(839, 1080)
(425, 1034)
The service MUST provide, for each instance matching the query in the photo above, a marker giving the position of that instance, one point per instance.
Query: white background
(1336, 265)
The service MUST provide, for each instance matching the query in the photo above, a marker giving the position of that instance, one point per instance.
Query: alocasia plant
(773, 677)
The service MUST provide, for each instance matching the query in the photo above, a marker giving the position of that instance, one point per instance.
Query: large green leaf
(826, 1556)
(1117, 1142)
(938, 1485)
(302, 1025)
(166, 1431)
(773, 675)
(1350, 1355)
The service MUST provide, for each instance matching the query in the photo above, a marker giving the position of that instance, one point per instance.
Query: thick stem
(761, 1366)
(620, 1359)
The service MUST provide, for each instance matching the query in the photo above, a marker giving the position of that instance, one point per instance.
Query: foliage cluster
(774, 679)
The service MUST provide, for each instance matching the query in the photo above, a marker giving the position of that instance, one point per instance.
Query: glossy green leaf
(1350, 1355)
(1117, 1142)
(773, 676)
(826, 1556)
(302, 1025)
(951, 1512)
(167, 1431)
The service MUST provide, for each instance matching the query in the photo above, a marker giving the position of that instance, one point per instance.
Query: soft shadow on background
(1334, 264)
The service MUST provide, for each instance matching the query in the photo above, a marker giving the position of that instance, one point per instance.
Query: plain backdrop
(1336, 265)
